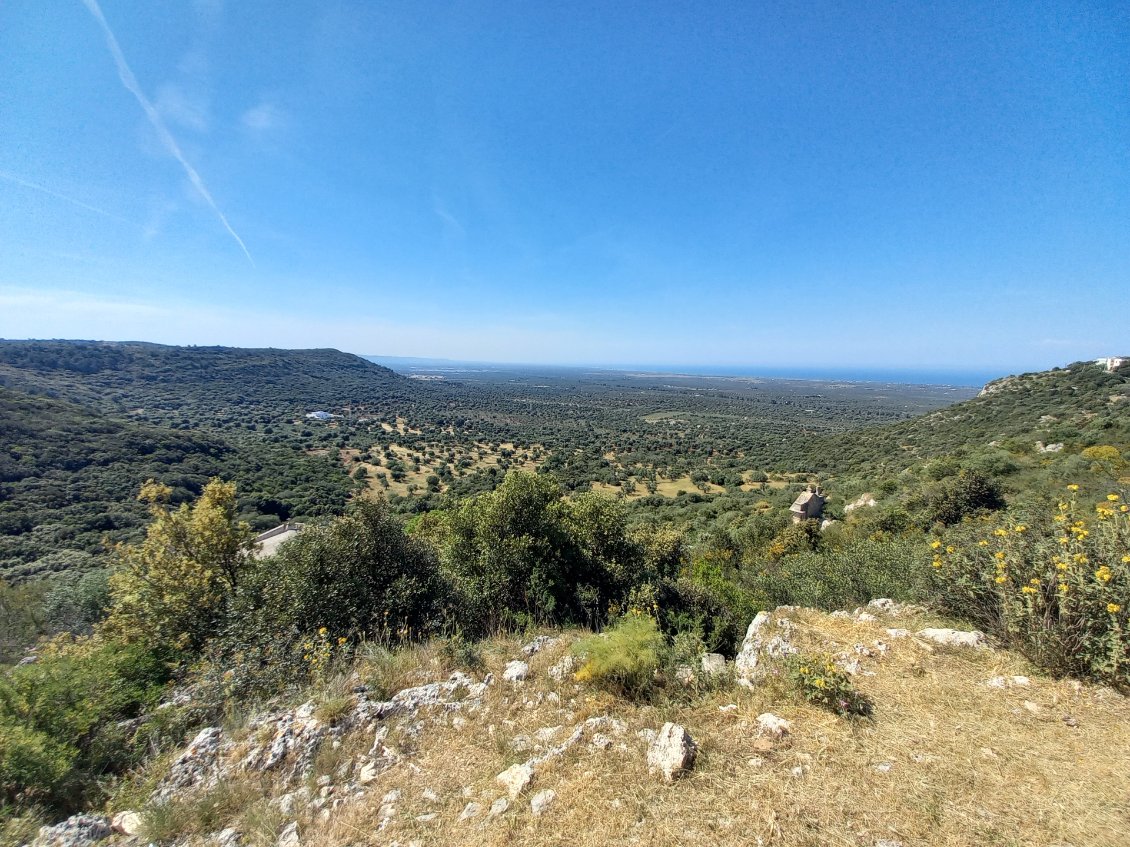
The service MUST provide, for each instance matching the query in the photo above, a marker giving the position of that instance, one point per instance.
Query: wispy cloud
(262, 118)
(74, 202)
(131, 84)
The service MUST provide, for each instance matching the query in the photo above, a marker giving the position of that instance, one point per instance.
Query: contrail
(132, 86)
(36, 187)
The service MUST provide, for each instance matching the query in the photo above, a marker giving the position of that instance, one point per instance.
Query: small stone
(996, 682)
(430, 795)
(755, 762)
(516, 671)
(1021, 681)
(729, 707)
(600, 741)
(229, 838)
(563, 669)
(895, 632)
(888, 842)
(1034, 708)
(883, 767)
(516, 779)
(797, 771)
(471, 810)
(866, 617)
(546, 734)
(713, 664)
(541, 801)
(773, 726)
(672, 753)
(498, 807)
(324, 781)
(1070, 721)
(391, 796)
(427, 817)
(127, 823)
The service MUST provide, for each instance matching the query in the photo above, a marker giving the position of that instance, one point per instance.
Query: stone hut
(809, 505)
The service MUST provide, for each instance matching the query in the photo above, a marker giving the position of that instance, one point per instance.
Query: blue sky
(937, 185)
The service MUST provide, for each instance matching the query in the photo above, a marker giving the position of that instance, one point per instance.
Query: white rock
(289, 836)
(996, 682)
(516, 779)
(684, 674)
(883, 767)
(516, 671)
(713, 664)
(427, 817)
(758, 645)
(471, 810)
(75, 831)
(895, 632)
(547, 733)
(542, 800)
(498, 807)
(953, 637)
(600, 741)
(228, 838)
(430, 795)
(883, 604)
(1021, 681)
(538, 644)
(563, 669)
(672, 753)
(127, 823)
(729, 707)
(771, 725)
(866, 617)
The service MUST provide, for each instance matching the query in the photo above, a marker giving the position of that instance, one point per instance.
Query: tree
(172, 590)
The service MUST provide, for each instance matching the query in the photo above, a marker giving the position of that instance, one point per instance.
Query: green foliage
(64, 720)
(819, 680)
(1055, 587)
(357, 576)
(172, 590)
(624, 658)
(837, 579)
(955, 498)
(523, 551)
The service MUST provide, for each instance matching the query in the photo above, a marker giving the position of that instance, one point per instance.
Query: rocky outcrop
(768, 637)
(76, 831)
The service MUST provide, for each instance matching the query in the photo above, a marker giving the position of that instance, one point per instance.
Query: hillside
(964, 746)
(69, 477)
(201, 382)
(1078, 406)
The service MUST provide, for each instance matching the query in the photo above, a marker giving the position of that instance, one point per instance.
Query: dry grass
(946, 760)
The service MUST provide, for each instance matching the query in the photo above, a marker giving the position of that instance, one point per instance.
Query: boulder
(289, 836)
(563, 669)
(765, 638)
(672, 753)
(773, 726)
(471, 810)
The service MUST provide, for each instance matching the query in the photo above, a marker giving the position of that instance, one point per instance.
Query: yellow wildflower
(950, 549)
(1113, 608)
(1103, 574)
(999, 555)
(1113, 498)
(1073, 487)
(321, 630)
(1001, 580)
(935, 544)
(982, 543)
(1020, 528)
(1028, 589)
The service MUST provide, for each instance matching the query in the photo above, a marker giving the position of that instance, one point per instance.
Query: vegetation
(517, 521)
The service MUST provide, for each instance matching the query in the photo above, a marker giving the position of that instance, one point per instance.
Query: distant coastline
(959, 378)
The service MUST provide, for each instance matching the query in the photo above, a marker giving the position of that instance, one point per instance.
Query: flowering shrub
(1056, 587)
(819, 680)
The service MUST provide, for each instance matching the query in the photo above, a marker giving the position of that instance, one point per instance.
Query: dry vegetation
(945, 760)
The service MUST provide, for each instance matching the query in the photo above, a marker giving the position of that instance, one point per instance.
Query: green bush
(624, 658)
(65, 720)
(1054, 585)
(834, 579)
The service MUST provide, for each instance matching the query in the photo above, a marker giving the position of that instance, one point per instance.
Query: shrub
(65, 719)
(624, 658)
(1055, 587)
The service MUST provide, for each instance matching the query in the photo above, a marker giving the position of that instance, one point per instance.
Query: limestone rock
(228, 838)
(563, 669)
(542, 800)
(127, 823)
(75, 831)
(471, 810)
(538, 644)
(289, 836)
(672, 753)
(498, 807)
(516, 671)
(953, 637)
(196, 767)
(713, 664)
(773, 726)
(760, 644)
(516, 779)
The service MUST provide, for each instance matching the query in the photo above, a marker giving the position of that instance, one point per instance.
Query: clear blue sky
(859, 184)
